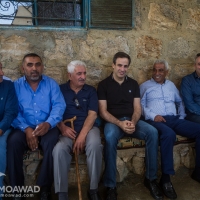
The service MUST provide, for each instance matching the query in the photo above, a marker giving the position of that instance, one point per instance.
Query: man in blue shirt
(82, 102)
(41, 106)
(163, 108)
(190, 91)
(119, 106)
(8, 112)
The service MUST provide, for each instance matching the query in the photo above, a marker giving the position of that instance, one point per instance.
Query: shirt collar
(158, 83)
(112, 79)
(85, 86)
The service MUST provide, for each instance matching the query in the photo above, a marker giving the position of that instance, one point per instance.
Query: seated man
(8, 112)
(190, 91)
(41, 106)
(159, 99)
(119, 106)
(82, 102)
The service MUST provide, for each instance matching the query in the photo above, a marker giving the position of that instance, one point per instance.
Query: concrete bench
(130, 158)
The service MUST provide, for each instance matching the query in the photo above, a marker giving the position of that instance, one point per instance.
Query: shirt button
(34, 94)
(36, 111)
(34, 103)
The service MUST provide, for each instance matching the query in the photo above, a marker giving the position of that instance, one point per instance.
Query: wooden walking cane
(76, 159)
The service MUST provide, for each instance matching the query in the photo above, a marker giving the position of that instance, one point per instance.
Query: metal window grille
(114, 14)
(42, 12)
(111, 14)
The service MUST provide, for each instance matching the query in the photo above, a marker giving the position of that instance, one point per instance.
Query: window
(111, 14)
(66, 13)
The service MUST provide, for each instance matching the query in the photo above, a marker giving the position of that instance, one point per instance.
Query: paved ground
(132, 188)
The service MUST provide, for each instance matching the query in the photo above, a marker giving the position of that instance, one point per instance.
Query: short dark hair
(121, 55)
(31, 55)
(198, 55)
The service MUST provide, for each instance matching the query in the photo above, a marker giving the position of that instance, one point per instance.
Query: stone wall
(166, 29)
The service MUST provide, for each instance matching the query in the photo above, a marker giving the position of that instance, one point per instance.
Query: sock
(165, 178)
(92, 191)
(63, 195)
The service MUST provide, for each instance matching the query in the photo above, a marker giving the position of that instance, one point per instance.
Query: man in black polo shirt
(119, 106)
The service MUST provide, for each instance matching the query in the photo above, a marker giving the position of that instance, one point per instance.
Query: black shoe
(93, 195)
(168, 190)
(154, 189)
(111, 194)
(196, 175)
(45, 193)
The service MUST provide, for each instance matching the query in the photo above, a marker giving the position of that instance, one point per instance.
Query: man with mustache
(82, 102)
(8, 112)
(163, 108)
(41, 106)
(119, 106)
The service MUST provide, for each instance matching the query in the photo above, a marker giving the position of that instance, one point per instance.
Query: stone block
(122, 170)
(138, 165)
(32, 167)
(13, 47)
(178, 48)
(163, 17)
(148, 47)
(193, 22)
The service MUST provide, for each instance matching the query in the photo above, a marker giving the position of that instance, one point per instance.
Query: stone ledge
(128, 160)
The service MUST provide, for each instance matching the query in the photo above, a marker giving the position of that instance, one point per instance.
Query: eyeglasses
(77, 103)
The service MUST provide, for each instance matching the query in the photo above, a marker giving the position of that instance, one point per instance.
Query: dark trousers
(167, 131)
(16, 146)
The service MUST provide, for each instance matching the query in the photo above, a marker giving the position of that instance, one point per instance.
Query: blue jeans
(3, 147)
(144, 132)
(168, 131)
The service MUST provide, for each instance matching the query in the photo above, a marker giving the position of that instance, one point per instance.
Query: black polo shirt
(119, 97)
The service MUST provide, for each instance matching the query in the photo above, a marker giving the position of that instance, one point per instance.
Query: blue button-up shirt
(161, 99)
(46, 104)
(190, 91)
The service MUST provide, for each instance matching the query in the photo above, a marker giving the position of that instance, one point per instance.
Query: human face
(120, 68)
(159, 73)
(197, 66)
(33, 68)
(78, 77)
(1, 73)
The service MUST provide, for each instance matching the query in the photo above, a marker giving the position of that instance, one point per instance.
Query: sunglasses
(76, 103)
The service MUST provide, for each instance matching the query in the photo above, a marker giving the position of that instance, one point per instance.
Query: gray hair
(71, 66)
(162, 62)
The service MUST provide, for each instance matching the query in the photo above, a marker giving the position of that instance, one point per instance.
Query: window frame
(86, 16)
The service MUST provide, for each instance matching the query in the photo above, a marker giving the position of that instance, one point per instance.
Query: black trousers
(16, 146)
